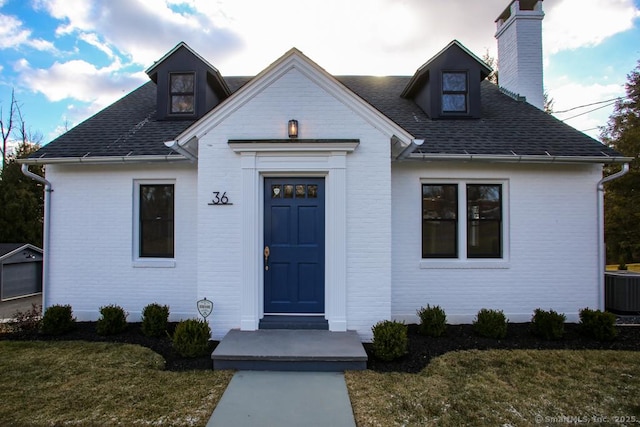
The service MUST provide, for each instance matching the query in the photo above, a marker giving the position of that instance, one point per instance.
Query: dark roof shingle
(507, 127)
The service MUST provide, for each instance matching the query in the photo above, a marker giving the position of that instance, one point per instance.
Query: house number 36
(220, 198)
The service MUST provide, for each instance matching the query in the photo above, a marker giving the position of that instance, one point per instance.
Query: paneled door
(294, 245)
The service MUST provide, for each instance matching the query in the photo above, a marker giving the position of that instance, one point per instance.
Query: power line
(589, 105)
(590, 111)
(587, 130)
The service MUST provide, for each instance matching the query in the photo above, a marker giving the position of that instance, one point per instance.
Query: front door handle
(266, 257)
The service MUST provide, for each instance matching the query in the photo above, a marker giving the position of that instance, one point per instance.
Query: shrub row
(190, 338)
(390, 337)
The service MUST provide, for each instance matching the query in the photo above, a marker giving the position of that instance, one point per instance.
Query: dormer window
(455, 91)
(182, 93)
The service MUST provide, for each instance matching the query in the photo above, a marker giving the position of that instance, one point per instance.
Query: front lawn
(80, 383)
(504, 388)
(518, 381)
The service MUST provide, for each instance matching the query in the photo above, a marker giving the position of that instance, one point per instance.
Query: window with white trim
(462, 220)
(154, 219)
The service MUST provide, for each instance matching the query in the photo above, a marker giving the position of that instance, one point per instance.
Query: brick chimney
(519, 34)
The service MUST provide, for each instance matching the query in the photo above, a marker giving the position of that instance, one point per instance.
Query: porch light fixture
(293, 128)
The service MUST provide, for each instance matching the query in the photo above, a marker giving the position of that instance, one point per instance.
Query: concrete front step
(290, 350)
(294, 322)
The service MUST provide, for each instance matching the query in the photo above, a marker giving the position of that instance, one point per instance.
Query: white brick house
(393, 193)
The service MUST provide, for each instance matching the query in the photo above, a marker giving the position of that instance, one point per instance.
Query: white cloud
(13, 35)
(571, 24)
(93, 40)
(11, 32)
(242, 37)
(141, 29)
(80, 80)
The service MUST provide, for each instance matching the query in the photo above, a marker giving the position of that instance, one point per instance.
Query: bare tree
(493, 63)
(7, 126)
(24, 134)
(548, 103)
(13, 128)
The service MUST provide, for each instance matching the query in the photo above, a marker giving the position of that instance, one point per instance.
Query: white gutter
(45, 230)
(515, 158)
(175, 146)
(97, 160)
(601, 247)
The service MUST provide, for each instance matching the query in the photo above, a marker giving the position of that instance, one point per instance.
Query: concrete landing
(282, 399)
(290, 350)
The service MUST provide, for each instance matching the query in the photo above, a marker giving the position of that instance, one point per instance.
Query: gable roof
(422, 73)
(152, 71)
(511, 130)
(9, 249)
(295, 59)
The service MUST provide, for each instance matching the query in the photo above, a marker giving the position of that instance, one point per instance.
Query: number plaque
(220, 199)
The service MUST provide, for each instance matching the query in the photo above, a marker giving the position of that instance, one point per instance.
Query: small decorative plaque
(205, 307)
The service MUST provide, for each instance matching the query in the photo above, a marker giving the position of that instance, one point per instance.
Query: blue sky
(67, 59)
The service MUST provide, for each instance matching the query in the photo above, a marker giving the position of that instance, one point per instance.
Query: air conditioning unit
(622, 293)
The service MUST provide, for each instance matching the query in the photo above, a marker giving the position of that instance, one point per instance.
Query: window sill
(453, 264)
(154, 263)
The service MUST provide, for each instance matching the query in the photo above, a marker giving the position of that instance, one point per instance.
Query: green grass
(88, 384)
(500, 388)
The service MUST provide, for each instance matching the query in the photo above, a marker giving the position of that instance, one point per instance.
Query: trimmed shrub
(57, 320)
(548, 324)
(622, 266)
(598, 324)
(433, 321)
(490, 324)
(390, 340)
(154, 320)
(191, 338)
(113, 320)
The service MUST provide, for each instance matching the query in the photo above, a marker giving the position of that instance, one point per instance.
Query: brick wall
(551, 256)
(91, 262)
(520, 54)
(368, 237)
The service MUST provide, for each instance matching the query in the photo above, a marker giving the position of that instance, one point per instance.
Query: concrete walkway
(283, 399)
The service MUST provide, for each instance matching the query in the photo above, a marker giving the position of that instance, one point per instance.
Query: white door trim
(331, 165)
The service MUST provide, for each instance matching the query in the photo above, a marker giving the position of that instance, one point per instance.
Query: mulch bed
(461, 337)
(421, 348)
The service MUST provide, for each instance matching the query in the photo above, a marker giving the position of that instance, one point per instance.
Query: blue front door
(294, 245)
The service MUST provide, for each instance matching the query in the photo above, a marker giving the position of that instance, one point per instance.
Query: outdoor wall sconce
(293, 128)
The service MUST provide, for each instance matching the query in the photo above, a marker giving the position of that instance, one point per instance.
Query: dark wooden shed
(20, 270)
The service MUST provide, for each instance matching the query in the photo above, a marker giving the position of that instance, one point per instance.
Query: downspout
(601, 248)
(45, 230)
